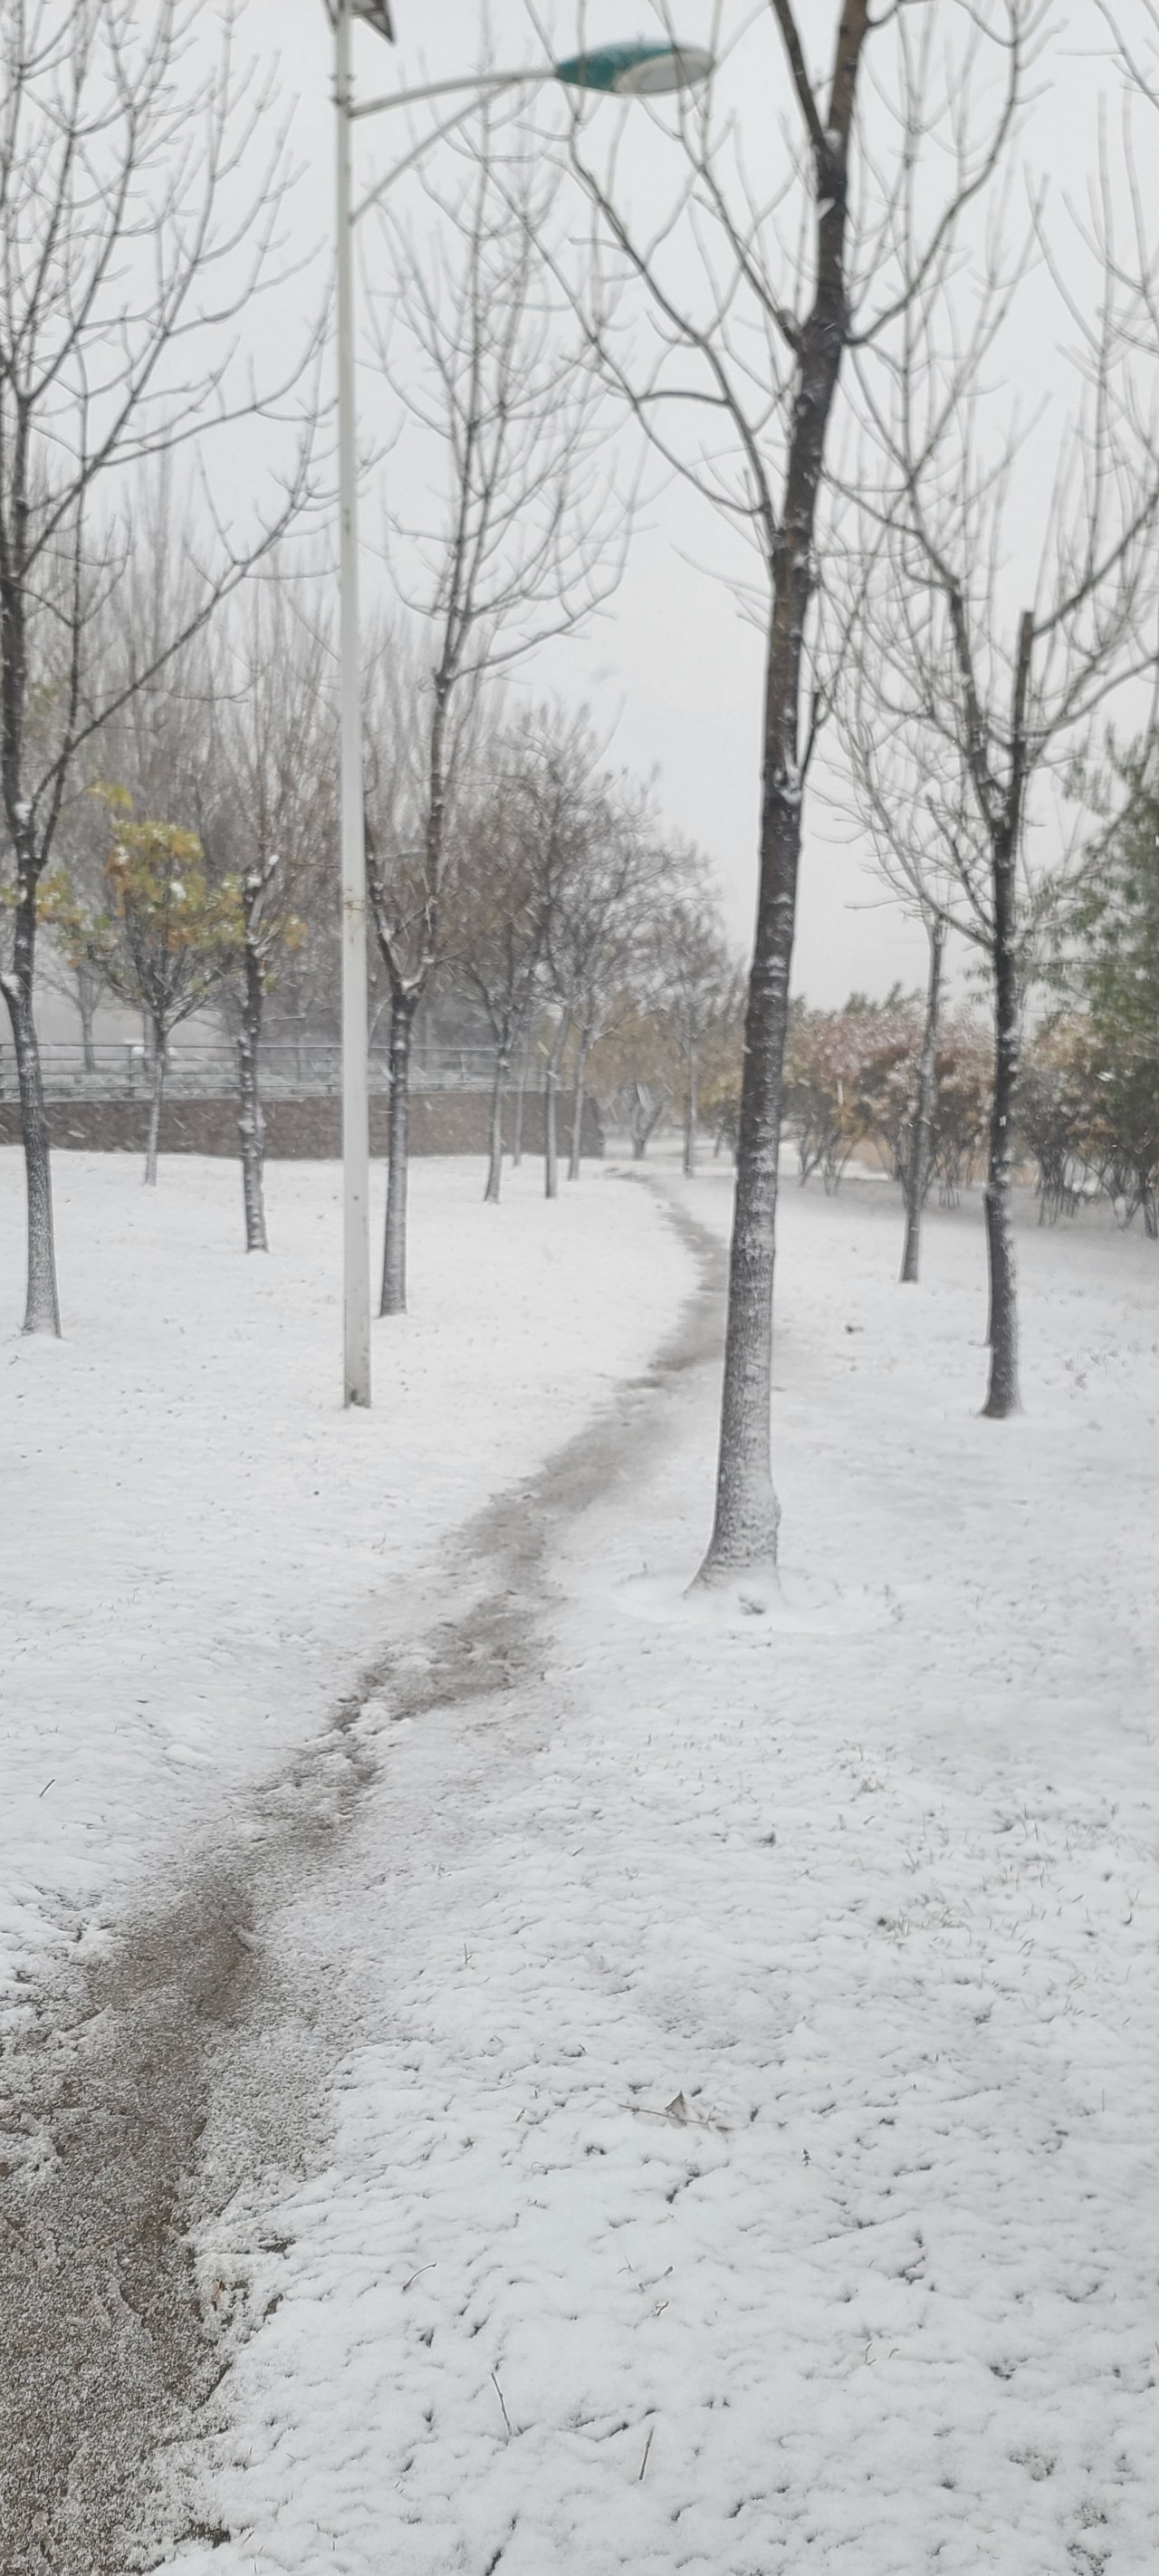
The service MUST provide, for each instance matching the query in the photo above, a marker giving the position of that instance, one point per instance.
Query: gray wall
(441, 1122)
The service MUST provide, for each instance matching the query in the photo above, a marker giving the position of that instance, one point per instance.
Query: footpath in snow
(199, 1551)
(744, 2162)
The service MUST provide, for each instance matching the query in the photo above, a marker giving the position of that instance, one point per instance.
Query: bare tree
(596, 930)
(967, 702)
(696, 987)
(525, 539)
(643, 1108)
(266, 807)
(757, 289)
(594, 860)
(634, 1071)
(916, 1179)
(499, 925)
(131, 243)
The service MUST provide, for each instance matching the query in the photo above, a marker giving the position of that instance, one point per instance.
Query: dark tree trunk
(550, 1148)
(1002, 1395)
(691, 1114)
(251, 1123)
(577, 1107)
(498, 1096)
(520, 1095)
(550, 1113)
(42, 1304)
(87, 1006)
(744, 1534)
(646, 1120)
(917, 1178)
(402, 1012)
(154, 1138)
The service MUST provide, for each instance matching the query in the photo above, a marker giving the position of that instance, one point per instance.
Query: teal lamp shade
(637, 71)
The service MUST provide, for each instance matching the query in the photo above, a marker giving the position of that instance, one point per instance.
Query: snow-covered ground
(198, 1548)
(745, 2163)
(754, 2168)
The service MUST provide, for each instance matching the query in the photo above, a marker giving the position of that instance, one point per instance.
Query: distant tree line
(573, 937)
(1086, 1097)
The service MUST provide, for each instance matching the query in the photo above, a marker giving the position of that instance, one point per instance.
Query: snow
(742, 2160)
(200, 1548)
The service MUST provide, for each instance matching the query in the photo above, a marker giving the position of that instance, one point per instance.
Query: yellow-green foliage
(167, 933)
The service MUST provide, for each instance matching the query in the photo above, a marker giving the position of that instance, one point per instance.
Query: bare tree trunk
(154, 1138)
(748, 1515)
(643, 1125)
(251, 1124)
(42, 1304)
(917, 1177)
(1002, 1396)
(394, 1241)
(550, 1123)
(550, 1153)
(691, 1112)
(498, 1096)
(517, 1139)
(87, 1006)
(577, 1107)
(744, 1534)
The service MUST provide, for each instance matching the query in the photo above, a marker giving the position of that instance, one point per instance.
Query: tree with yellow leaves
(167, 936)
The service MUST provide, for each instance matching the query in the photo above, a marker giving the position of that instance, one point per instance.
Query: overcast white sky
(671, 664)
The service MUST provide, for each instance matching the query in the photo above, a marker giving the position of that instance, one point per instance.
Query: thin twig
(506, 2417)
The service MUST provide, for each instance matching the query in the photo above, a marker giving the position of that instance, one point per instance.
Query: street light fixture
(621, 71)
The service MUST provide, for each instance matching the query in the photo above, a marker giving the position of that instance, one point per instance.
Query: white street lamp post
(355, 1049)
(626, 70)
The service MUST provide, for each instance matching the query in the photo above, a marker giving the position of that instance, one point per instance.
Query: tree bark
(86, 1004)
(498, 1096)
(393, 1301)
(520, 1094)
(646, 1120)
(577, 1107)
(154, 1137)
(1002, 1396)
(744, 1534)
(550, 1121)
(153, 1140)
(251, 1123)
(691, 1113)
(550, 1151)
(42, 1303)
(917, 1179)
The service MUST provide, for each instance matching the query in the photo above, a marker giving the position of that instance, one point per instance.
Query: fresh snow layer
(750, 2164)
(199, 1547)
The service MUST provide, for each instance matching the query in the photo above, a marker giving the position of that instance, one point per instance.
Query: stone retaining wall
(441, 1122)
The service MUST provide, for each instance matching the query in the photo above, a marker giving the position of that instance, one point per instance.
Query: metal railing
(291, 1068)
